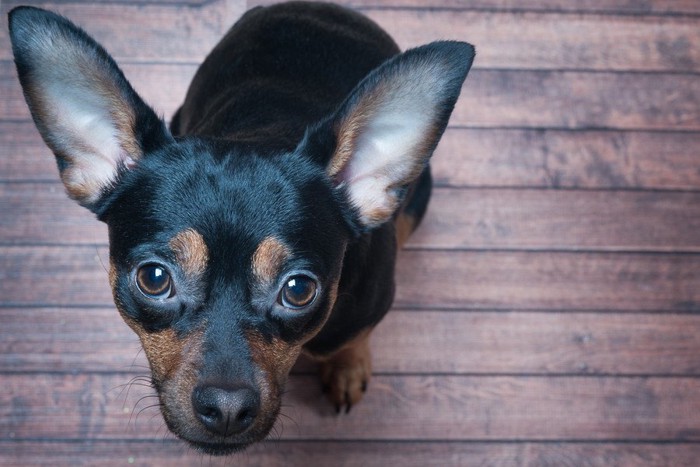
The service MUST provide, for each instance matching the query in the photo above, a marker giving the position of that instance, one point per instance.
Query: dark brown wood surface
(547, 312)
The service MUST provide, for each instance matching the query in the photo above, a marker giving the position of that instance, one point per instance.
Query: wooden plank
(186, 33)
(518, 280)
(482, 157)
(536, 343)
(475, 219)
(490, 98)
(517, 40)
(68, 339)
(55, 275)
(567, 159)
(43, 213)
(92, 406)
(143, 31)
(652, 7)
(506, 280)
(579, 100)
(613, 221)
(445, 342)
(355, 454)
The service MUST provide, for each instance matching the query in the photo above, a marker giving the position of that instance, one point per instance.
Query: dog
(265, 221)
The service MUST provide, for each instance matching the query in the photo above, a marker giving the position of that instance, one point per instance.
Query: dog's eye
(298, 292)
(154, 281)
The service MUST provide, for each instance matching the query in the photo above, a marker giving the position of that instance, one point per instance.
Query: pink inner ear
(90, 124)
(387, 150)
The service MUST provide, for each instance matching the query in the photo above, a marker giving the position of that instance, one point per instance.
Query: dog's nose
(225, 411)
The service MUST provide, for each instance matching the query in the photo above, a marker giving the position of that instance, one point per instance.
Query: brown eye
(298, 292)
(154, 281)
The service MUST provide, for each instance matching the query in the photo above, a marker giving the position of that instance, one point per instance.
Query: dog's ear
(84, 108)
(386, 130)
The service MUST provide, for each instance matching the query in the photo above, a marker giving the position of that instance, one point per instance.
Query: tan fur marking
(120, 110)
(379, 215)
(268, 259)
(164, 351)
(112, 274)
(405, 225)
(347, 372)
(178, 385)
(350, 128)
(191, 251)
(274, 360)
(276, 356)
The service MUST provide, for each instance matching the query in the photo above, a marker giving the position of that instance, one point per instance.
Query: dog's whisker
(133, 362)
(144, 398)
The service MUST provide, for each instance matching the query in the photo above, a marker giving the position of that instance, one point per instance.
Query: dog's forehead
(232, 199)
(197, 180)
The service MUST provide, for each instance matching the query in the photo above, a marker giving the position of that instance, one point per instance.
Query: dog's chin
(219, 446)
(200, 440)
(218, 449)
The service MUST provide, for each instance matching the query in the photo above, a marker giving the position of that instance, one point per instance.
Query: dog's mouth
(218, 448)
(214, 445)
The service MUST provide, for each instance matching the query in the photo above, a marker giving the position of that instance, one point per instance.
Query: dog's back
(278, 70)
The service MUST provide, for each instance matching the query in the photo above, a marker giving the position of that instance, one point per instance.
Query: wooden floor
(548, 311)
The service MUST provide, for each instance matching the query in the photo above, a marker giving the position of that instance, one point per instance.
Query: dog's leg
(346, 374)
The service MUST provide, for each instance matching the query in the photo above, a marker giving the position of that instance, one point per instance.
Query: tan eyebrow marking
(191, 251)
(269, 258)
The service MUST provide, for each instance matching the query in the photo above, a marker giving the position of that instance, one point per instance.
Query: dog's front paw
(346, 374)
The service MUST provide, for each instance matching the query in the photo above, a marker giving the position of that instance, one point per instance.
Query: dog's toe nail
(337, 408)
(347, 408)
(364, 386)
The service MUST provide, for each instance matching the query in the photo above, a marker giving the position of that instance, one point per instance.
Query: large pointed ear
(387, 129)
(83, 106)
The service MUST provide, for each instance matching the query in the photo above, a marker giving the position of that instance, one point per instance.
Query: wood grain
(536, 343)
(578, 100)
(426, 279)
(456, 219)
(356, 454)
(184, 33)
(567, 159)
(490, 98)
(438, 408)
(482, 157)
(651, 7)
(405, 342)
(42, 213)
(525, 219)
(172, 32)
(573, 41)
(518, 280)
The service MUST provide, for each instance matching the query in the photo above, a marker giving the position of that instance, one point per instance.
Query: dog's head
(225, 260)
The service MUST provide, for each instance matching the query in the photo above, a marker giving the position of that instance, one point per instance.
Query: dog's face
(225, 263)
(226, 259)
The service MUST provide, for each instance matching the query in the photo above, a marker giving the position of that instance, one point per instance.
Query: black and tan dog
(265, 222)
